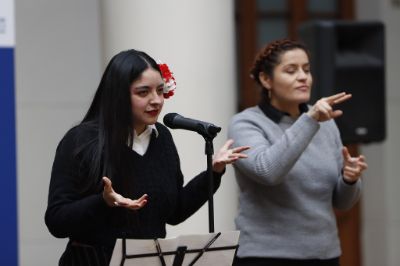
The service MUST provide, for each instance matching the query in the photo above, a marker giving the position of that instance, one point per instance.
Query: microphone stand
(209, 132)
(209, 150)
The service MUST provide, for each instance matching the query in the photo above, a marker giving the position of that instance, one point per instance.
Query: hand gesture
(225, 156)
(353, 166)
(114, 199)
(322, 109)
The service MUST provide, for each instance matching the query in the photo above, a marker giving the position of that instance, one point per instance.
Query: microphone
(176, 121)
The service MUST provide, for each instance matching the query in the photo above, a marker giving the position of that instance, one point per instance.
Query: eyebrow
(295, 65)
(141, 87)
(148, 87)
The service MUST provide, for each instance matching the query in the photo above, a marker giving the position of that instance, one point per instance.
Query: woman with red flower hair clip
(117, 173)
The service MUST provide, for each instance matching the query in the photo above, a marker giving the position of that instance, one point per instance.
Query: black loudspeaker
(349, 56)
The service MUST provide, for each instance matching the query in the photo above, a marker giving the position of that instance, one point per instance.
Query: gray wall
(57, 69)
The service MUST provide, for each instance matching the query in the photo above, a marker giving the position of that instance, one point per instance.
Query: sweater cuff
(310, 121)
(217, 179)
(98, 205)
(349, 185)
(348, 182)
(216, 174)
(306, 126)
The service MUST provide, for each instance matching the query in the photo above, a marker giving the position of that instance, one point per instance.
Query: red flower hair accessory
(169, 80)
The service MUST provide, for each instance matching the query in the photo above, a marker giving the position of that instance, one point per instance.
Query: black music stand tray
(186, 250)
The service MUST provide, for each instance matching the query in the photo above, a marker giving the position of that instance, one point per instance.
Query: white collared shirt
(141, 142)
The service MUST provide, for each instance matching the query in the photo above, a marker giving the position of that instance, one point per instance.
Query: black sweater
(85, 217)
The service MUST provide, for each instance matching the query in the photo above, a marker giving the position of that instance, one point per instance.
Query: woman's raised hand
(353, 166)
(322, 110)
(114, 199)
(225, 156)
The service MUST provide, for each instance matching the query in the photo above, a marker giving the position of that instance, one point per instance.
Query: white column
(57, 72)
(196, 39)
(381, 212)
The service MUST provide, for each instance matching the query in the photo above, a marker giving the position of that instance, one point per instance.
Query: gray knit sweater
(288, 186)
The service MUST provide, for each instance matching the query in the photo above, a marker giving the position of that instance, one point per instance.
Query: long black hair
(110, 113)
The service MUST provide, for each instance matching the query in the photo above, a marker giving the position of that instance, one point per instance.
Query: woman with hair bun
(297, 169)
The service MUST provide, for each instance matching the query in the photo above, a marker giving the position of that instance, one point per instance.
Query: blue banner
(8, 165)
(8, 194)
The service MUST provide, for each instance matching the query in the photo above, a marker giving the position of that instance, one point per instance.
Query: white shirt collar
(141, 142)
(147, 132)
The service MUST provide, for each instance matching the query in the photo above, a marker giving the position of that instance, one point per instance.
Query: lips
(153, 112)
(302, 88)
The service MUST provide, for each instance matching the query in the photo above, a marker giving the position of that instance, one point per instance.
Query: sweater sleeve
(69, 214)
(272, 152)
(194, 194)
(344, 195)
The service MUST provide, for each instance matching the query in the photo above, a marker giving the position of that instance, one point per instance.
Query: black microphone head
(169, 119)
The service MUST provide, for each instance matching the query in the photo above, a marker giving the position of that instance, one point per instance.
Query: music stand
(186, 250)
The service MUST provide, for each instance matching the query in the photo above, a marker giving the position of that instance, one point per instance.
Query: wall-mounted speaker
(349, 56)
